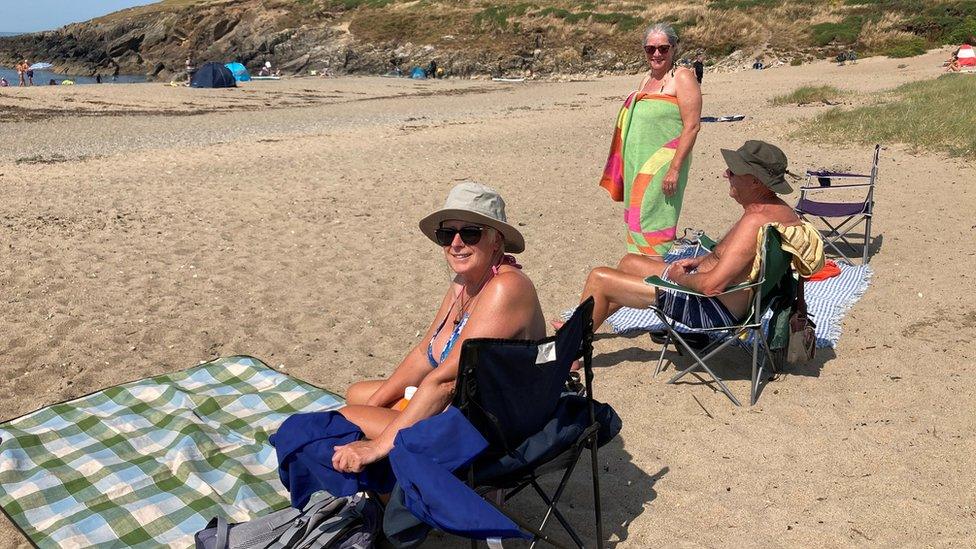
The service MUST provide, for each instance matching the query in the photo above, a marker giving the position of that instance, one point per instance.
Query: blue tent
(418, 73)
(213, 75)
(240, 73)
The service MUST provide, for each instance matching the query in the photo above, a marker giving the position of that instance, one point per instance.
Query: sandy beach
(147, 228)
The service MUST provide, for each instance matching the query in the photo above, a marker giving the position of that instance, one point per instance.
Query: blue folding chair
(513, 392)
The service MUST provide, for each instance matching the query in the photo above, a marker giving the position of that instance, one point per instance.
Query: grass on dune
(925, 115)
(809, 94)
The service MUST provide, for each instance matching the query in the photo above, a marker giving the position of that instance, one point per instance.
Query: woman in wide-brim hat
(489, 296)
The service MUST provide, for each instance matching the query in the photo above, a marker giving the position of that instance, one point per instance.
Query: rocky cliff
(300, 35)
(469, 37)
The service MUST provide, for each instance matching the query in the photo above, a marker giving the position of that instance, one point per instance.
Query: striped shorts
(694, 311)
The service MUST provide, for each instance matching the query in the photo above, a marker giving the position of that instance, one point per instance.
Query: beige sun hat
(477, 203)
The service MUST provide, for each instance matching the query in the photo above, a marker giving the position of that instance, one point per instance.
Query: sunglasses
(469, 235)
(662, 49)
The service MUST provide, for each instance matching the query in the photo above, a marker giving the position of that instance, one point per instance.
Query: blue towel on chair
(424, 457)
(423, 460)
(305, 445)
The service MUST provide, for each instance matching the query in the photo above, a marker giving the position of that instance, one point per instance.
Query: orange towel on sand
(830, 270)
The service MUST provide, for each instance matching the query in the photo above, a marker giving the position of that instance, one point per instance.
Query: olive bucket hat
(477, 203)
(766, 162)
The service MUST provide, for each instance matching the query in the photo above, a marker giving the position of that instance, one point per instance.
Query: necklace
(663, 80)
(463, 304)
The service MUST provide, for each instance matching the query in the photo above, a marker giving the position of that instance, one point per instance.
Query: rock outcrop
(301, 35)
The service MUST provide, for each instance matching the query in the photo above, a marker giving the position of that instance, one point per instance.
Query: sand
(146, 228)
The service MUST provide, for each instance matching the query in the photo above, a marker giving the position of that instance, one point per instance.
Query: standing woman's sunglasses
(469, 235)
(663, 49)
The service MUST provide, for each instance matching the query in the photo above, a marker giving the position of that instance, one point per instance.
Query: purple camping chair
(841, 217)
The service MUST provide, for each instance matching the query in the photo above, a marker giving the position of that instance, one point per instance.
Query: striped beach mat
(148, 463)
(828, 301)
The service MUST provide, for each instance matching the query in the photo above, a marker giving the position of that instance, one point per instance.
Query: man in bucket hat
(756, 175)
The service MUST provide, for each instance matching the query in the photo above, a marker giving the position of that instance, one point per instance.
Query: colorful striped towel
(148, 463)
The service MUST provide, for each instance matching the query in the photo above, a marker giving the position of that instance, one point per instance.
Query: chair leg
(754, 391)
(831, 238)
(867, 239)
(660, 359)
(766, 357)
(700, 363)
(553, 511)
(596, 493)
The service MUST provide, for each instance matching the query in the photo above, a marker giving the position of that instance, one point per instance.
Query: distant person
(29, 73)
(115, 74)
(431, 71)
(190, 68)
(3, 82)
(52, 82)
(699, 66)
(98, 78)
(21, 72)
(851, 57)
(265, 69)
(758, 65)
(964, 58)
(650, 152)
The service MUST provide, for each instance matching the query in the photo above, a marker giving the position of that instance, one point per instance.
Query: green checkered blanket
(148, 463)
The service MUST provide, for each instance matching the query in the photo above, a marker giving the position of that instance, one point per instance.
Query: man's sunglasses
(469, 235)
(663, 49)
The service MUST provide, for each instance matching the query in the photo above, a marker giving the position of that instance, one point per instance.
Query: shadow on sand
(625, 492)
(733, 364)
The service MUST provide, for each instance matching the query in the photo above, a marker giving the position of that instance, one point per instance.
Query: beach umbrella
(39, 66)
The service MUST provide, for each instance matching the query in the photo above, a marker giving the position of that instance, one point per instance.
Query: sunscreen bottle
(408, 392)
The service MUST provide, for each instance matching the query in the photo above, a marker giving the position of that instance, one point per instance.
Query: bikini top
(505, 260)
(450, 341)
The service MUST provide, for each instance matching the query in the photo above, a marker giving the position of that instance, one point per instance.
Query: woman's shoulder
(685, 74)
(510, 283)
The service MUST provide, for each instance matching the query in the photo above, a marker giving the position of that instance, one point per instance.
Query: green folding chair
(774, 288)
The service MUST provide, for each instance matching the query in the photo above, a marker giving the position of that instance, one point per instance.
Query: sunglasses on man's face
(662, 49)
(469, 235)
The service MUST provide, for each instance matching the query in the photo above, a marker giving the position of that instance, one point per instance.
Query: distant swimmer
(21, 72)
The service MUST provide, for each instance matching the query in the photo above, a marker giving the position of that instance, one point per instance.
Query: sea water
(44, 77)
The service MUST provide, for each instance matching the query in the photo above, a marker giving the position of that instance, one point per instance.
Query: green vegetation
(742, 4)
(924, 115)
(907, 48)
(499, 16)
(845, 32)
(353, 4)
(810, 94)
(796, 61)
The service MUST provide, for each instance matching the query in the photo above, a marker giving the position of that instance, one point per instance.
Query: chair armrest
(827, 188)
(661, 283)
